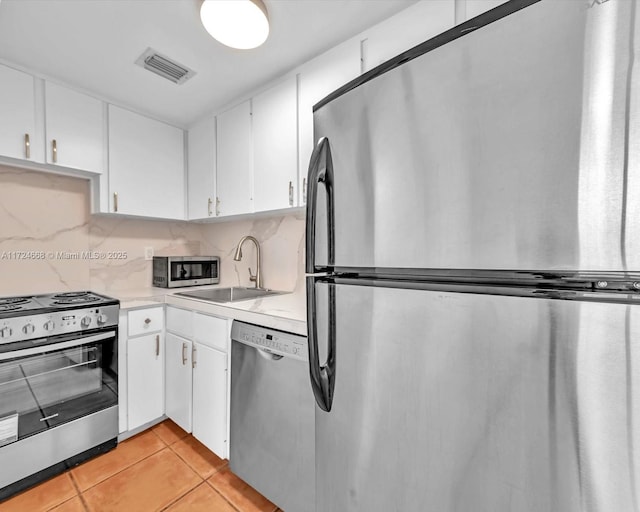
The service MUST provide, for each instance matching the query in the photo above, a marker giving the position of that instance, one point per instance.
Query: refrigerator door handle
(323, 378)
(319, 173)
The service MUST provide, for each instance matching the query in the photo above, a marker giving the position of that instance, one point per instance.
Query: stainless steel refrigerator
(473, 260)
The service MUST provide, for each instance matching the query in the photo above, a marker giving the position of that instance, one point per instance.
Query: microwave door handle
(43, 349)
(319, 173)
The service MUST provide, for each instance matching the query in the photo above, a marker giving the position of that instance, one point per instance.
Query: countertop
(286, 312)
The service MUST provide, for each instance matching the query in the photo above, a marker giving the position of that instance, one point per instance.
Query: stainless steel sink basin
(234, 294)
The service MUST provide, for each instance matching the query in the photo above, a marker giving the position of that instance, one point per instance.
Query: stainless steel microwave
(177, 271)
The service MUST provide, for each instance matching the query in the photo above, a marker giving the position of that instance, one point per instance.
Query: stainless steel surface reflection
(494, 151)
(470, 402)
(233, 294)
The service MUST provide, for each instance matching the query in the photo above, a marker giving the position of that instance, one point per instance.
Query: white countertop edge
(286, 312)
(254, 317)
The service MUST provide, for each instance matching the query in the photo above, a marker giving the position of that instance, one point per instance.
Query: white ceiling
(93, 44)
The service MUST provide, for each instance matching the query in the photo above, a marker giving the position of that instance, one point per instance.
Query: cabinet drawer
(211, 331)
(142, 321)
(180, 321)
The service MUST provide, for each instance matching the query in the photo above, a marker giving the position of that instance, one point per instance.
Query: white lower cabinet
(210, 398)
(141, 346)
(179, 384)
(196, 376)
(145, 377)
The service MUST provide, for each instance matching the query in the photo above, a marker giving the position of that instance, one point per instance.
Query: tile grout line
(152, 429)
(77, 487)
(276, 508)
(222, 495)
(123, 469)
(191, 467)
(171, 503)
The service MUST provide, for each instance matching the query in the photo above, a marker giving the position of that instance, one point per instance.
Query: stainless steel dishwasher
(272, 443)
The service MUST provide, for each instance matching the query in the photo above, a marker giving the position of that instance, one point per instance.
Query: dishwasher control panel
(270, 340)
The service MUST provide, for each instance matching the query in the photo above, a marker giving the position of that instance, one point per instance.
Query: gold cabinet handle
(193, 357)
(209, 203)
(27, 146)
(217, 206)
(184, 354)
(157, 345)
(290, 193)
(54, 150)
(115, 201)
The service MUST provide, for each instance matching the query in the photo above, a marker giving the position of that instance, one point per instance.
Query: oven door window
(55, 385)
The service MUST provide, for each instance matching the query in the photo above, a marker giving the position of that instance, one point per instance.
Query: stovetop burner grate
(15, 301)
(75, 300)
(70, 295)
(10, 307)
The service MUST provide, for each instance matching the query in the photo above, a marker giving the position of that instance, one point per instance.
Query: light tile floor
(161, 469)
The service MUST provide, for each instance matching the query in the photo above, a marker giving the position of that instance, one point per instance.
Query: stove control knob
(28, 329)
(48, 326)
(102, 318)
(5, 332)
(86, 321)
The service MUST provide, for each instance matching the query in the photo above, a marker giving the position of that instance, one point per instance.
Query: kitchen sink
(233, 294)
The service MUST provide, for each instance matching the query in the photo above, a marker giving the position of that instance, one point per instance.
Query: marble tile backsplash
(50, 242)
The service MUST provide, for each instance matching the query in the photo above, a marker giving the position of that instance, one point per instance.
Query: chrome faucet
(238, 256)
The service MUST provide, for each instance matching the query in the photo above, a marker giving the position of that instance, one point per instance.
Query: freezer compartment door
(496, 150)
(466, 402)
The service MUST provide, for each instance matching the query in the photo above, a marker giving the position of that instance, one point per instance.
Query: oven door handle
(43, 349)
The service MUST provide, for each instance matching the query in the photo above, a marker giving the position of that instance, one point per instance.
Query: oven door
(55, 381)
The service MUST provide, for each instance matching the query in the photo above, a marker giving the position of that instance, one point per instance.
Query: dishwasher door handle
(264, 353)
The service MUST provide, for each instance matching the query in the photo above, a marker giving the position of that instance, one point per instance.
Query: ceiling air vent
(164, 66)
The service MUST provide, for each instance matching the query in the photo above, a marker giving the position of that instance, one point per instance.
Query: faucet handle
(252, 278)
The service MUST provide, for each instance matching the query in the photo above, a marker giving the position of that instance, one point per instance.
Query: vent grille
(164, 66)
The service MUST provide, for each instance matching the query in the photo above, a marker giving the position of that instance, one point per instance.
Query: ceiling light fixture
(241, 24)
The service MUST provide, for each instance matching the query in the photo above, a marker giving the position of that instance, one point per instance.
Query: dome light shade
(241, 24)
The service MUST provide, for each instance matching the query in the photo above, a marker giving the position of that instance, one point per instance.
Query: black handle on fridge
(319, 174)
(322, 377)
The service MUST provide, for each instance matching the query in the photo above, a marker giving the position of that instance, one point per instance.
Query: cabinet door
(201, 169)
(210, 398)
(275, 140)
(211, 331)
(317, 79)
(146, 166)
(233, 173)
(407, 29)
(177, 383)
(74, 129)
(145, 379)
(17, 114)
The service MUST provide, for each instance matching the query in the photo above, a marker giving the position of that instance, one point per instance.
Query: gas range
(29, 317)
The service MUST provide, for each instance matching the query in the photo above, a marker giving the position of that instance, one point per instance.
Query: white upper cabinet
(234, 160)
(275, 155)
(74, 129)
(17, 115)
(317, 79)
(146, 166)
(201, 169)
(407, 29)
